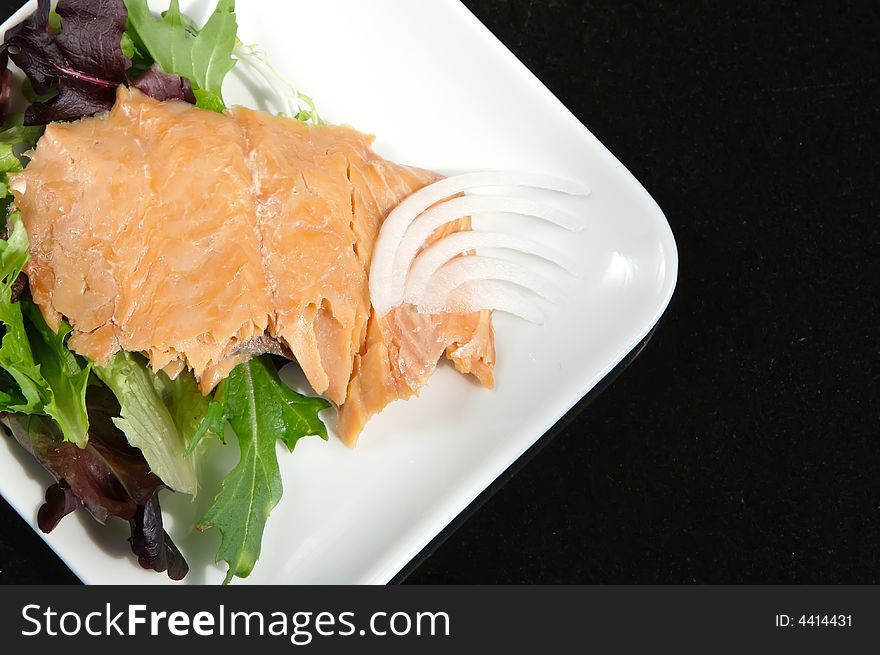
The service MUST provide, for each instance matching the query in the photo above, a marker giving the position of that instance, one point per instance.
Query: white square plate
(441, 92)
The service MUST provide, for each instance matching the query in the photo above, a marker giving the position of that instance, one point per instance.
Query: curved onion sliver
(382, 279)
(492, 294)
(458, 243)
(452, 210)
(463, 270)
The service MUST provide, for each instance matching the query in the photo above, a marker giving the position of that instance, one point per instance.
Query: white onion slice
(463, 270)
(458, 243)
(452, 210)
(395, 226)
(495, 295)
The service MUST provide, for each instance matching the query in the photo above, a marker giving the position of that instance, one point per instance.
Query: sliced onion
(456, 208)
(495, 295)
(458, 243)
(395, 226)
(472, 269)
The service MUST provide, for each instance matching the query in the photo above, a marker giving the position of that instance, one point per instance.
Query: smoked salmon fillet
(201, 239)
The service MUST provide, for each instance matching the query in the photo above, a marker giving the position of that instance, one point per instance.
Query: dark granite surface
(743, 444)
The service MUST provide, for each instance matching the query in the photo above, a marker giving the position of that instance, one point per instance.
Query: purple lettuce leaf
(84, 62)
(60, 501)
(5, 84)
(160, 85)
(108, 478)
(152, 545)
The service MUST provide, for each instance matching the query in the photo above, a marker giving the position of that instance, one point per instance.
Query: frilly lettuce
(156, 413)
(177, 46)
(108, 477)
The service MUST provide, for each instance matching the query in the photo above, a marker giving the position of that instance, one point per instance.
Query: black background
(743, 444)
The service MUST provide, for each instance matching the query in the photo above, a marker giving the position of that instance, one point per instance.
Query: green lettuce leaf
(261, 409)
(210, 101)
(63, 372)
(13, 140)
(10, 394)
(13, 251)
(151, 425)
(211, 423)
(29, 392)
(204, 56)
(184, 400)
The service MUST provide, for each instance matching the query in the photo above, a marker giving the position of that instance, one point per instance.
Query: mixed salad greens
(113, 436)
